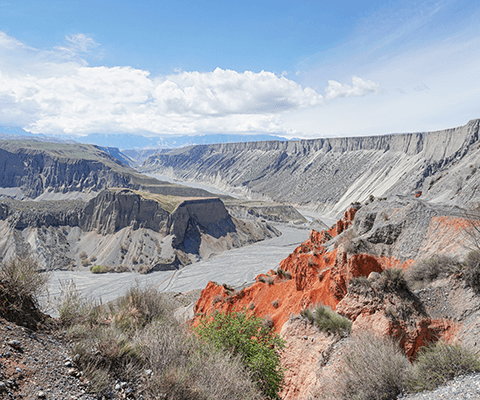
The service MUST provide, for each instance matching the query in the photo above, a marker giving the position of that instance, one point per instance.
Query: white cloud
(359, 87)
(56, 91)
(223, 92)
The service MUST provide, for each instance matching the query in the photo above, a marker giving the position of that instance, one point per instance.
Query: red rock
(317, 277)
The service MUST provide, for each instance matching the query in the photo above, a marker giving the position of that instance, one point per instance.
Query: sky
(298, 69)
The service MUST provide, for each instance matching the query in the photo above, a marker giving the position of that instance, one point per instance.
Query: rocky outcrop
(327, 269)
(106, 213)
(329, 174)
(45, 170)
(310, 275)
(111, 211)
(34, 172)
(268, 212)
(123, 228)
(306, 351)
(385, 306)
(406, 228)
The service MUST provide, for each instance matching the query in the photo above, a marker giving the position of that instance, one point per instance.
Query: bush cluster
(137, 332)
(376, 368)
(426, 271)
(251, 339)
(438, 363)
(471, 270)
(327, 320)
(23, 281)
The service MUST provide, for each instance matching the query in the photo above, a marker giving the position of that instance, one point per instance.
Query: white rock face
(329, 174)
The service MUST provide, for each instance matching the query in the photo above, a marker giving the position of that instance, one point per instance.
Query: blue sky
(293, 68)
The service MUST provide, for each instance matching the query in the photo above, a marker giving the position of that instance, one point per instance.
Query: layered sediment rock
(310, 275)
(107, 229)
(324, 270)
(329, 174)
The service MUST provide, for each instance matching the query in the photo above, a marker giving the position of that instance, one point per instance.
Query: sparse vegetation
(393, 279)
(425, 271)
(471, 270)
(327, 320)
(281, 273)
(137, 332)
(99, 269)
(23, 283)
(253, 341)
(103, 269)
(438, 363)
(375, 368)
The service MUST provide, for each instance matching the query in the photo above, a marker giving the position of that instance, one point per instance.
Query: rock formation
(31, 169)
(122, 228)
(329, 269)
(329, 174)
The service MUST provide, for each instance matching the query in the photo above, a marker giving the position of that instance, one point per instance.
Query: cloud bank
(359, 87)
(57, 92)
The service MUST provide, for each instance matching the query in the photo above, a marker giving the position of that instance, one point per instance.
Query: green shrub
(428, 270)
(327, 320)
(471, 270)
(438, 363)
(245, 336)
(99, 269)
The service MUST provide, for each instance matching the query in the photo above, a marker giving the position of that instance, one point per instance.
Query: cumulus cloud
(56, 91)
(224, 92)
(359, 87)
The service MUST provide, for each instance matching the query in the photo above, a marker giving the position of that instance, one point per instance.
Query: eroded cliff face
(322, 270)
(34, 172)
(329, 174)
(120, 228)
(310, 275)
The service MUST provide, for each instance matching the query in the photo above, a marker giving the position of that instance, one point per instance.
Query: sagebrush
(327, 320)
(137, 332)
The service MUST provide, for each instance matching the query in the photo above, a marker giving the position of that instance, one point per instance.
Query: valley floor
(236, 267)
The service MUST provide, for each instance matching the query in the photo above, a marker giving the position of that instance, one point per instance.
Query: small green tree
(258, 346)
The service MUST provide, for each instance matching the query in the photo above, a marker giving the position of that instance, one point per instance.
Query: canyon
(397, 200)
(328, 174)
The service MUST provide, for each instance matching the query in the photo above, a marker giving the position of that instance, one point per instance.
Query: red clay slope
(311, 276)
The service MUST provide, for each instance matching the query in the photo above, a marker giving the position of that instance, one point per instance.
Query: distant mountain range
(140, 142)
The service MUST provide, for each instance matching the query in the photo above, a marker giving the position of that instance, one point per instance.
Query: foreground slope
(343, 267)
(329, 174)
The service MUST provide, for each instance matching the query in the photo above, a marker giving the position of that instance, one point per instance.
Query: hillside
(32, 168)
(329, 174)
(123, 230)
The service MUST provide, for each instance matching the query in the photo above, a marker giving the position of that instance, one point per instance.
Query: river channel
(237, 267)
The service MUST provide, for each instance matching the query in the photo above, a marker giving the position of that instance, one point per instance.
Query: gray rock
(329, 174)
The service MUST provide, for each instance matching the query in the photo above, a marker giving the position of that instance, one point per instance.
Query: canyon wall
(329, 174)
(122, 228)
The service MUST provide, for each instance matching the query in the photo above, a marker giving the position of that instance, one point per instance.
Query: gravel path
(462, 387)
